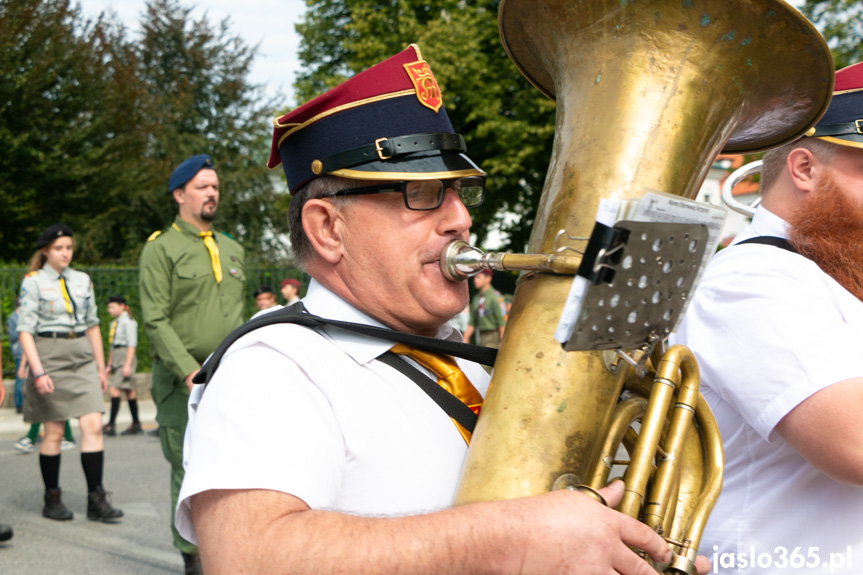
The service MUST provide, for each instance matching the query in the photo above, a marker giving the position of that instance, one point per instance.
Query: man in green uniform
(192, 293)
(487, 313)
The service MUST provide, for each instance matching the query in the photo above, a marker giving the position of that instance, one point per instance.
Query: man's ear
(179, 196)
(323, 226)
(803, 168)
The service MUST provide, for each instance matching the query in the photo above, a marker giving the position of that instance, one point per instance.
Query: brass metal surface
(648, 92)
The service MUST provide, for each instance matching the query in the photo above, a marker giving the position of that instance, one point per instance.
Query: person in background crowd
(6, 531)
(265, 297)
(487, 313)
(59, 332)
(15, 348)
(290, 289)
(192, 293)
(122, 363)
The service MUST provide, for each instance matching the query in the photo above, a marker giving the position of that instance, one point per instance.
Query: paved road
(135, 472)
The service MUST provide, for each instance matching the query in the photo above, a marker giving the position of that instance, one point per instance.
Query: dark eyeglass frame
(401, 186)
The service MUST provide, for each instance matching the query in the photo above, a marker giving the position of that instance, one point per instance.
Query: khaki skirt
(118, 359)
(77, 392)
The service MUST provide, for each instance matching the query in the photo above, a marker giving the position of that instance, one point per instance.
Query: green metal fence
(108, 281)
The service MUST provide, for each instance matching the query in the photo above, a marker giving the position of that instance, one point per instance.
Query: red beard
(828, 229)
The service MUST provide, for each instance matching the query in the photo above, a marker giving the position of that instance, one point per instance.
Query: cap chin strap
(389, 148)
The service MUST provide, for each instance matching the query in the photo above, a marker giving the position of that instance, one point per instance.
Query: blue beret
(187, 170)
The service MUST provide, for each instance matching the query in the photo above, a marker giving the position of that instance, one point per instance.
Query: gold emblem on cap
(317, 167)
(810, 132)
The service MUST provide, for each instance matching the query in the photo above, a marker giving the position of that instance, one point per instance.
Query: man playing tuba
(347, 466)
(776, 325)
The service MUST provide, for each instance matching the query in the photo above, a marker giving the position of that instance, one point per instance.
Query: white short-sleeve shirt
(769, 329)
(313, 414)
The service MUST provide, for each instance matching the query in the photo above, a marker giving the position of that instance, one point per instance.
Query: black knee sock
(115, 409)
(50, 466)
(92, 462)
(133, 408)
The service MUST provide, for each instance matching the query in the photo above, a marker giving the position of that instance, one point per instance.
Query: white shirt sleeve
(293, 446)
(768, 337)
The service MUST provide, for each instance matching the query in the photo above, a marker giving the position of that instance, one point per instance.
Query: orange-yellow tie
(214, 255)
(111, 332)
(66, 298)
(450, 377)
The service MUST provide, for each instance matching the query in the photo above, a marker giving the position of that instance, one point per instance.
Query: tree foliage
(507, 123)
(841, 23)
(92, 122)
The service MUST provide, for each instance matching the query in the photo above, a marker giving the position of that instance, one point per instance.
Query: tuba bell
(648, 92)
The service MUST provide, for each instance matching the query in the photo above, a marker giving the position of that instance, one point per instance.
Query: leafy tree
(61, 124)
(507, 123)
(92, 123)
(199, 101)
(841, 23)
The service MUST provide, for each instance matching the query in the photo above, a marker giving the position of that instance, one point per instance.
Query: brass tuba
(648, 92)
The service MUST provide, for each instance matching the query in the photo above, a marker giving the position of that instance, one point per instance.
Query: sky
(266, 23)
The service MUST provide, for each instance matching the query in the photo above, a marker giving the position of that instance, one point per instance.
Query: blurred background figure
(265, 297)
(487, 313)
(290, 289)
(122, 363)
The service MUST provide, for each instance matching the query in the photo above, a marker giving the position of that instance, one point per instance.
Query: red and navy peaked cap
(385, 123)
(843, 122)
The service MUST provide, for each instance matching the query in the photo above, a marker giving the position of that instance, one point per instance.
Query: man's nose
(455, 219)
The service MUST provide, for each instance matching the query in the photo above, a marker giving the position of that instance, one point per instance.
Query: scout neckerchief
(296, 313)
(213, 250)
(70, 303)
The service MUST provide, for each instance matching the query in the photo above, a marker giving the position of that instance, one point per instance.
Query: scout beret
(187, 170)
(262, 290)
(51, 233)
(290, 281)
(117, 299)
(842, 123)
(385, 123)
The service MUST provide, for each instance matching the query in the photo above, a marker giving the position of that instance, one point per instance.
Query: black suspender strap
(445, 400)
(297, 314)
(769, 241)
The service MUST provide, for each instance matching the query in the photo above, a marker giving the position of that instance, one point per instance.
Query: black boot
(134, 429)
(54, 508)
(5, 532)
(99, 508)
(192, 564)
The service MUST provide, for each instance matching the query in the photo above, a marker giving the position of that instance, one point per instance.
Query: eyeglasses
(424, 195)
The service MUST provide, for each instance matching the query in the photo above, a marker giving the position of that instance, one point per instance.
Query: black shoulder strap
(769, 241)
(297, 314)
(452, 405)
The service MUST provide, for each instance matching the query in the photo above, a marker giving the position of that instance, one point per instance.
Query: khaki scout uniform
(61, 343)
(186, 315)
(487, 316)
(123, 335)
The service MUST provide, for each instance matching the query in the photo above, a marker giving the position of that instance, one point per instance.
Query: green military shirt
(186, 314)
(487, 310)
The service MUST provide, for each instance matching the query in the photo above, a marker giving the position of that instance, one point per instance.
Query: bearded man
(777, 327)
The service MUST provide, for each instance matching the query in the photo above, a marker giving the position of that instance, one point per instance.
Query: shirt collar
(188, 228)
(764, 223)
(52, 272)
(322, 302)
